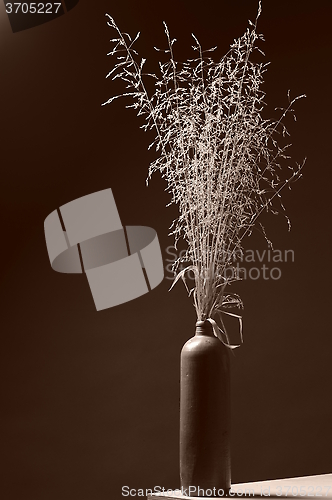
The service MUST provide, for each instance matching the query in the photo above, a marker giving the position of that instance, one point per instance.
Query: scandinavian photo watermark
(248, 264)
(263, 491)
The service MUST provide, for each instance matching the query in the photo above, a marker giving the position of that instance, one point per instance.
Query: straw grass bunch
(220, 158)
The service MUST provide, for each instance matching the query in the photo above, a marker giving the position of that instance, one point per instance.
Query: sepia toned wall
(90, 400)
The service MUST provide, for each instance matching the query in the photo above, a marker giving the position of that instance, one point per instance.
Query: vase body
(205, 420)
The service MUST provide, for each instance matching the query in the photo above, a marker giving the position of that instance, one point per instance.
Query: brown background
(90, 400)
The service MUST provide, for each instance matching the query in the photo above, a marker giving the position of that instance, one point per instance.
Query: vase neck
(204, 328)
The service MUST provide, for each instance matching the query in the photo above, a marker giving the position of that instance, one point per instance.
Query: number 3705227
(33, 8)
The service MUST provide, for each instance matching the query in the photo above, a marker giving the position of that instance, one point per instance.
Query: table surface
(307, 486)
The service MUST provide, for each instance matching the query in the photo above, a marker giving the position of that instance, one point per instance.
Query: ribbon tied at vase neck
(219, 331)
(86, 235)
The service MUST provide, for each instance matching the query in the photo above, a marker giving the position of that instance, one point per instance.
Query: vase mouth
(202, 322)
(204, 327)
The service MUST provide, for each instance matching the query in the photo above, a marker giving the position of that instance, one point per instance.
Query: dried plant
(219, 156)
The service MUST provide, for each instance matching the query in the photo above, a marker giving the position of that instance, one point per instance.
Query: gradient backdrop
(90, 399)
